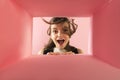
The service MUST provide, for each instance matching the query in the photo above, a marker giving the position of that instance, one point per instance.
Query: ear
(50, 36)
(49, 31)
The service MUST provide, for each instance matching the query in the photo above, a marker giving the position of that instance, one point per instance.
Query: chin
(61, 47)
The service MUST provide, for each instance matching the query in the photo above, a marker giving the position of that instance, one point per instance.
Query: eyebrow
(65, 27)
(54, 28)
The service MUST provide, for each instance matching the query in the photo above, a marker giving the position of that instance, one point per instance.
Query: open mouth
(61, 41)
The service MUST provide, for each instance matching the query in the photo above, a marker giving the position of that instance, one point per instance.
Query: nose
(59, 33)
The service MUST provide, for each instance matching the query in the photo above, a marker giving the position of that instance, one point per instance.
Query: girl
(60, 31)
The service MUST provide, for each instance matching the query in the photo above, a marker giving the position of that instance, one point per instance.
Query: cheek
(67, 37)
(52, 36)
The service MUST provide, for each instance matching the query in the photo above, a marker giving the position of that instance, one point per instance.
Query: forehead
(60, 25)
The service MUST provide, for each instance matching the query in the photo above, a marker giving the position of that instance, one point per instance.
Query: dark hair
(72, 28)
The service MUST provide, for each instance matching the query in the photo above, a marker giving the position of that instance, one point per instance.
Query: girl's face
(59, 34)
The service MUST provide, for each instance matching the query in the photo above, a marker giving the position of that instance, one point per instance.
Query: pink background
(17, 62)
(81, 39)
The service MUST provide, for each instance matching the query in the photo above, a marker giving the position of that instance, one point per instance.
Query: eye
(55, 31)
(65, 30)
